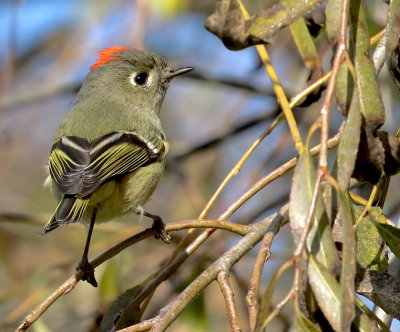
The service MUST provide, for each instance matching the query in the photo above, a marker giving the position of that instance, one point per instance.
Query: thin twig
(280, 93)
(142, 326)
(170, 312)
(238, 166)
(227, 292)
(326, 107)
(68, 285)
(215, 224)
(252, 297)
(260, 184)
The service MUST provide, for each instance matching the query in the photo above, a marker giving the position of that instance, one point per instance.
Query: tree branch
(170, 312)
(68, 285)
(226, 289)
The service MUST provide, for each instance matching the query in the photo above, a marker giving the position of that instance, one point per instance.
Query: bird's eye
(141, 79)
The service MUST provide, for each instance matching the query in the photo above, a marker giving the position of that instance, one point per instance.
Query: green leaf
(367, 86)
(305, 44)
(280, 15)
(348, 272)
(391, 236)
(326, 290)
(371, 252)
(370, 99)
(348, 145)
(320, 241)
(303, 183)
(333, 18)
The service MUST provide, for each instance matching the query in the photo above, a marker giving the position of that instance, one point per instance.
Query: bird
(108, 153)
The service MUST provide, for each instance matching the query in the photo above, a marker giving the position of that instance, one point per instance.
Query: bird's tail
(70, 210)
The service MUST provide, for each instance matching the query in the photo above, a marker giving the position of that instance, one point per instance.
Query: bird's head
(130, 76)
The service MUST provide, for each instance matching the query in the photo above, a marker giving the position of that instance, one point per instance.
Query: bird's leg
(84, 266)
(159, 226)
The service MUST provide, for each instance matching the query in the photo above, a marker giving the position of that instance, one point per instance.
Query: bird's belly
(138, 186)
(125, 195)
(108, 201)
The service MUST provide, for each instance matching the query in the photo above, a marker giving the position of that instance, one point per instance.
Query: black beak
(172, 73)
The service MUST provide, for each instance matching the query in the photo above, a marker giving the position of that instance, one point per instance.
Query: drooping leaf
(333, 19)
(367, 86)
(301, 193)
(348, 145)
(320, 241)
(345, 91)
(348, 272)
(370, 99)
(228, 23)
(326, 290)
(305, 44)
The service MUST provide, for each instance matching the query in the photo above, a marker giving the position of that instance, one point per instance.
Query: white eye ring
(140, 79)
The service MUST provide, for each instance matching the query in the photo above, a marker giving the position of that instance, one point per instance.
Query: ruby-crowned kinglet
(109, 151)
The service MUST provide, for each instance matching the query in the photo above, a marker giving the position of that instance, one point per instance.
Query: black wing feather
(79, 167)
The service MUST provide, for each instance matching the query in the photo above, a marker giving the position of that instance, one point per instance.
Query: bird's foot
(88, 272)
(162, 234)
(159, 227)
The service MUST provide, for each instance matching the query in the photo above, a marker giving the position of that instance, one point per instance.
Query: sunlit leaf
(326, 290)
(349, 142)
(333, 18)
(282, 14)
(320, 241)
(371, 253)
(303, 183)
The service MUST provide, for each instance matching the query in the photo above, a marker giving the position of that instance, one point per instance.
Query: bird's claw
(162, 234)
(88, 272)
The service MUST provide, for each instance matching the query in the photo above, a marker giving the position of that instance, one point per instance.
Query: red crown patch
(107, 55)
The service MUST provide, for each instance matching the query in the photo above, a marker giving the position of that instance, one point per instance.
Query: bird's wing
(78, 167)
